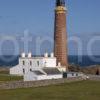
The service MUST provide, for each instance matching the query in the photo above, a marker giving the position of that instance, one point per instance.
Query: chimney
(29, 55)
(46, 55)
(23, 55)
(52, 55)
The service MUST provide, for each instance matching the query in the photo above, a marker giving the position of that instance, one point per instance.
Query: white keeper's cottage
(38, 68)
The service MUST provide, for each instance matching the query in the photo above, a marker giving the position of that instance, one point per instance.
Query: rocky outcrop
(93, 69)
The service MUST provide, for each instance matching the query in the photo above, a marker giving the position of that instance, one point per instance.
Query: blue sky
(37, 16)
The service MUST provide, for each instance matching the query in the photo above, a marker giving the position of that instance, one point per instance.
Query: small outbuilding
(72, 74)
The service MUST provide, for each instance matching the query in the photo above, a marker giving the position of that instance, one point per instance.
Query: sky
(37, 17)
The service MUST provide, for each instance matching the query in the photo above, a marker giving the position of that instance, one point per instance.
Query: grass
(6, 77)
(4, 72)
(84, 90)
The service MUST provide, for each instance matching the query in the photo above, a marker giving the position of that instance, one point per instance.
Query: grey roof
(51, 71)
(74, 72)
(38, 72)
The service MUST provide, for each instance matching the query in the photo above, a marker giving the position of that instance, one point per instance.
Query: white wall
(37, 63)
(33, 77)
(30, 77)
(43, 62)
(17, 70)
(49, 62)
(74, 74)
(46, 77)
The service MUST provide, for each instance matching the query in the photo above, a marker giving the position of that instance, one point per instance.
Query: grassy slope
(6, 77)
(85, 90)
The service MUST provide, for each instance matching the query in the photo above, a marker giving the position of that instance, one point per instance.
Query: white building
(37, 68)
(41, 68)
(72, 74)
(43, 74)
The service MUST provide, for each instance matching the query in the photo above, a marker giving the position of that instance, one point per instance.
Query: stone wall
(94, 77)
(22, 84)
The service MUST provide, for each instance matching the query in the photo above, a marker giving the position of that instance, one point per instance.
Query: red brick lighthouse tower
(60, 34)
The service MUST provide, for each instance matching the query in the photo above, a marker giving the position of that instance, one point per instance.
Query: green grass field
(6, 77)
(84, 90)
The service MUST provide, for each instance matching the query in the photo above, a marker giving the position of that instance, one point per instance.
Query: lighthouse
(60, 34)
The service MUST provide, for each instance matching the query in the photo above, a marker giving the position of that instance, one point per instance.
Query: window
(23, 62)
(30, 69)
(38, 63)
(72, 74)
(77, 74)
(30, 63)
(23, 71)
